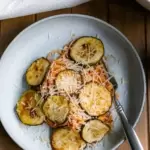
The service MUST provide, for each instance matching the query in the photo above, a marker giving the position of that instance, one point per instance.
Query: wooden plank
(6, 143)
(9, 29)
(129, 18)
(51, 13)
(96, 8)
(148, 68)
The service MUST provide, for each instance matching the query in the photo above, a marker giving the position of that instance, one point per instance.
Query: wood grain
(8, 30)
(6, 143)
(96, 8)
(51, 13)
(11, 27)
(128, 19)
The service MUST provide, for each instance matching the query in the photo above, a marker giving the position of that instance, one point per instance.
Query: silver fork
(131, 135)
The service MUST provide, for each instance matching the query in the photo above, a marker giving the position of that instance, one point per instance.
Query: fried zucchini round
(95, 99)
(67, 139)
(94, 131)
(54, 124)
(107, 119)
(28, 108)
(36, 72)
(87, 50)
(56, 110)
(68, 81)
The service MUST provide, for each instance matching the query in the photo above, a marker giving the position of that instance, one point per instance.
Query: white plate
(52, 33)
(144, 3)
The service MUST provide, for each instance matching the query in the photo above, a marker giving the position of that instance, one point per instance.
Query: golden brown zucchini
(94, 131)
(36, 72)
(54, 124)
(67, 139)
(98, 74)
(109, 86)
(68, 81)
(107, 119)
(95, 99)
(28, 108)
(56, 109)
(87, 50)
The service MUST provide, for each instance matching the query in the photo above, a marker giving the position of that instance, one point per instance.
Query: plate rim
(145, 4)
(19, 143)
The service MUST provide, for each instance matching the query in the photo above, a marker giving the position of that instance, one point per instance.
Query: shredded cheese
(77, 116)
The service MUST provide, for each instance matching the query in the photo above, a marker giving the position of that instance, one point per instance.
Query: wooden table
(127, 16)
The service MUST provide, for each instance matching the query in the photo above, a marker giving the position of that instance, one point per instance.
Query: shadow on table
(5, 141)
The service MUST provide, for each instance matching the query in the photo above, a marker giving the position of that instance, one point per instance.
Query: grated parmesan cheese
(77, 116)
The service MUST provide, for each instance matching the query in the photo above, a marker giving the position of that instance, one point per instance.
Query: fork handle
(129, 131)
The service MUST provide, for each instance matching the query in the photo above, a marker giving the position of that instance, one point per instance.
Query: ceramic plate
(144, 3)
(52, 33)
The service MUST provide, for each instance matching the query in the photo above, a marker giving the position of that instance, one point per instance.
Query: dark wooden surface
(126, 15)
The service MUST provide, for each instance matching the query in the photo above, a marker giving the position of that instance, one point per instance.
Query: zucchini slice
(98, 74)
(95, 99)
(107, 119)
(68, 81)
(28, 108)
(87, 50)
(54, 124)
(36, 72)
(67, 139)
(94, 131)
(56, 110)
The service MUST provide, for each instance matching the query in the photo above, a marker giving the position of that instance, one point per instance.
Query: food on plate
(29, 108)
(95, 99)
(94, 130)
(56, 110)
(36, 72)
(77, 116)
(98, 74)
(107, 119)
(67, 139)
(87, 50)
(70, 90)
(68, 81)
